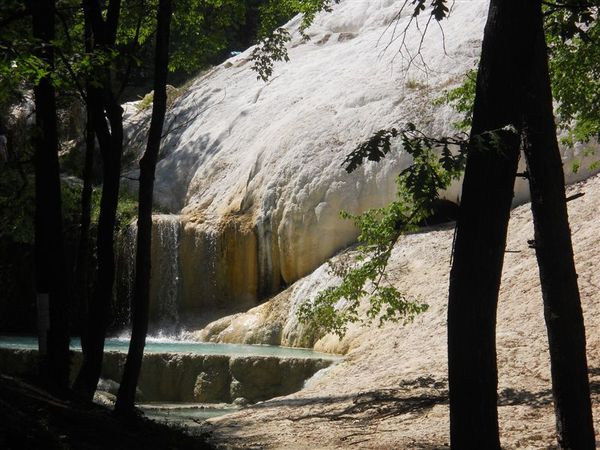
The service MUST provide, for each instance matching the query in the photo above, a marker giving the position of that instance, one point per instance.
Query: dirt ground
(391, 391)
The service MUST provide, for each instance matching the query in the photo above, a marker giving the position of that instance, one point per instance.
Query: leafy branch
(436, 162)
(272, 46)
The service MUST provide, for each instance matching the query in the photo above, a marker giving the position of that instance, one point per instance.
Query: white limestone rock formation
(254, 168)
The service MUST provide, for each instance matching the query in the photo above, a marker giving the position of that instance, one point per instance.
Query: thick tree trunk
(554, 250)
(141, 293)
(49, 251)
(481, 230)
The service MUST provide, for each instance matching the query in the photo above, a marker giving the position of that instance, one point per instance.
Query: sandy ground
(391, 391)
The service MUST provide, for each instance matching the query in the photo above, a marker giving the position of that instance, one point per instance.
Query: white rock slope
(254, 168)
(391, 390)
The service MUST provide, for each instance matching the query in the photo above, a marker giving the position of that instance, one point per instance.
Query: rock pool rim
(167, 345)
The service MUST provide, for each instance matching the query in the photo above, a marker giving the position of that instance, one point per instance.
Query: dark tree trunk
(482, 227)
(107, 117)
(49, 251)
(111, 147)
(82, 269)
(141, 294)
(554, 250)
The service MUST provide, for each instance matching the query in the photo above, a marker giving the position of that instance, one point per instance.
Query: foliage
(335, 307)
(574, 47)
(273, 38)
(425, 174)
(418, 188)
(462, 99)
(436, 162)
(17, 206)
(573, 36)
(12, 38)
(202, 30)
(126, 210)
(203, 33)
(439, 10)
(272, 46)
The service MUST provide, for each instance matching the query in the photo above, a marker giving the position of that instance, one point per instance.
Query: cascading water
(125, 277)
(207, 241)
(165, 289)
(166, 272)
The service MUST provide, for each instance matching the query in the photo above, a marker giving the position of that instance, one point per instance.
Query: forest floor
(31, 418)
(391, 390)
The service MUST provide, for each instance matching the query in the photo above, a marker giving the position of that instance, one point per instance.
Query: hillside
(252, 171)
(391, 391)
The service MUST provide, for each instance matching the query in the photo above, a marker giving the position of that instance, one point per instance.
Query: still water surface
(166, 345)
(180, 414)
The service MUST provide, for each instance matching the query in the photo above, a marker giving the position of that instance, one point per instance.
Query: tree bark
(141, 294)
(107, 117)
(111, 148)
(554, 251)
(482, 227)
(49, 248)
(82, 269)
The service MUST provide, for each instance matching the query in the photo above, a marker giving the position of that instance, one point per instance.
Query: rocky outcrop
(254, 168)
(175, 377)
(274, 322)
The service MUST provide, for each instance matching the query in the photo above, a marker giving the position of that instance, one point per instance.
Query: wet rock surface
(191, 378)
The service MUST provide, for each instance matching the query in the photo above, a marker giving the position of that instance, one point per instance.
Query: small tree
(107, 118)
(49, 252)
(141, 292)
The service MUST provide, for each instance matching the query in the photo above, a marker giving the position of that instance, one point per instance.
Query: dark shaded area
(17, 309)
(510, 396)
(31, 418)
(443, 211)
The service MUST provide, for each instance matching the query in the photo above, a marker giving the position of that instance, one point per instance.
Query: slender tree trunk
(111, 147)
(82, 268)
(554, 250)
(49, 251)
(481, 230)
(141, 295)
(107, 117)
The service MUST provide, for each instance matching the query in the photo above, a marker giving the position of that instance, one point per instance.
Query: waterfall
(165, 283)
(210, 254)
(268, 267)
(125, 280)
(166, 272)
